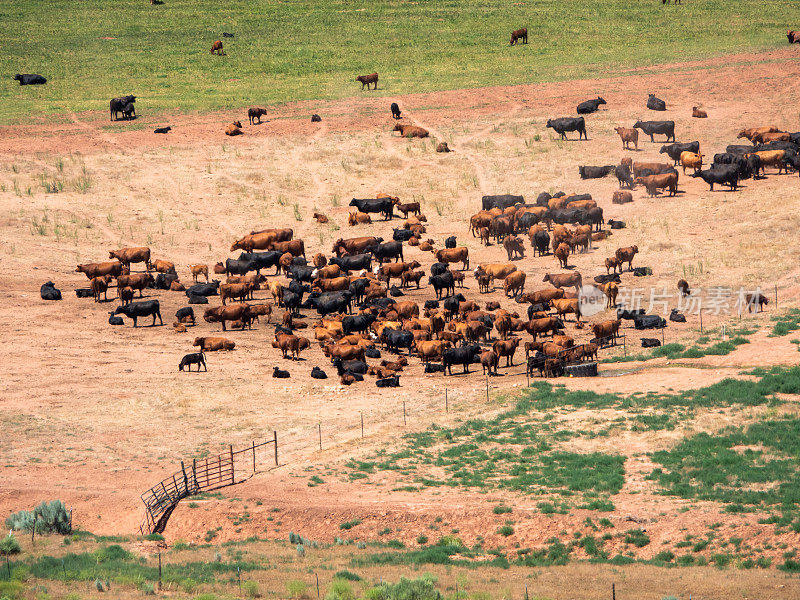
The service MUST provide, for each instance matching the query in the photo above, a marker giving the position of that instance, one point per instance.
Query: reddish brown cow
(212, 344)
(216, 48)
(92, 270)
(137, 281)
(131, 255)
(454, 255)
(628, 136)
(221, 314)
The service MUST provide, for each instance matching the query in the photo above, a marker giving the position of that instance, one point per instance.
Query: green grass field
(307, 49)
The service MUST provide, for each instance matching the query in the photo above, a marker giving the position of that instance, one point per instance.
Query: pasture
(500, 487)
(312, 49)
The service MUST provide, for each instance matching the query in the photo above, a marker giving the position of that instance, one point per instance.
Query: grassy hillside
(314, 48)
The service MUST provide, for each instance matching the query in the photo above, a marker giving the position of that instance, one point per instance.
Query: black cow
(395, 340)
(49, 291)
(564, 124)
(674, 150)
(301, 273)
(84, 293)
(162, 129)
(395, 110)
(195, 358)
(614, 224)
(649, 322)
(450, 242)
(624, 176)
(590, 106)
(721, 174)
(747, 167)
(595, 172)
(331, 302)
(396, 292)
(386, 382)
(356, 262)
(738, 149)
(163, 280)
(112, 320)
(118, 104)
(451, 303)
(402, 235)
(315, 118)
(606, 278)
(317, 373)
(291, 301)
(537, 308)
(204, 289)
(263, 260)
(358, 287)
(629, 315)
(354, 367)
(279, 373)
(501, 201)
(385, 206)
(30, 79)
(654, 103)
(789, 147)
(438, 268)
(433, 368)
(387, 251)
(134, 310)
(443, 282)
(431, 304)
(541, 243)
(677, 316)
(129, 111)
(650, 343)
(184, 313)
(653, 127)
(198, 300)
(465, 355)
(543, 199)
(357, 323)
(238, 267)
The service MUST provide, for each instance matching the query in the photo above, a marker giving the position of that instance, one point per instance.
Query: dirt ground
(94, 414)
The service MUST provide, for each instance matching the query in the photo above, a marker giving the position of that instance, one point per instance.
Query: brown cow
(699, 113)
(137, 281)
(562, 280)
(683, 286)
(506, 348)
(320, 218)
(562, 254)
(294, 247)
(288, 343)
(774, 158)
(329, 272)
(256, 112)
(367, 79)
(160, 266)
(234, 128)
(409, 131)
(212, 344)
(99, 285)
(319, 260)
(255, 241)
(125, 294)
(625, 255)
(605, 330)
(431, 350)
(131, 255)
(235, 291)
(628, 136)
(611, 265)
(359, 218)
(198, 270)
(409, 207)
(92, 270)
(692, 160)
(495, 270)
(621, 197)
(653, 183)
(542, 326)
(454, 255)
(489, 362)
(354, 245)
(752, 131)
(565, 306)
(793, 36)
(343, 351)
(611, 290)
(221, 314)
(542, 296)
(638, 168)
(514, 284)
(514, 247)
(519, 34)
(216, 48)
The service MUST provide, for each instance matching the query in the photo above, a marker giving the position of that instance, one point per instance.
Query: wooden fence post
(275, 439)
(613, 592)
(33, 529)
(254, 456)
(362, 424)
(233, 477)
(487, 388)
(319, 428)
(317, 578)
(446, 408)
(404, 412)
(159, 570)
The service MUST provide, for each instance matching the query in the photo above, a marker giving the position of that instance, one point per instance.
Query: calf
(49, 291)
(699, 113)
(256, 113)
(653, 183)
(628, 136)
(395, 111)
(233, 129)
(198, 270)
(117, 104)
(195, 358)
(365, 80)
(99, 285)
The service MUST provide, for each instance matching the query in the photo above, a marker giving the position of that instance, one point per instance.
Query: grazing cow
(621, 197)
(653, 127)
(562, 280)
(590, 106)
(653, 183)
(99, 285)
(29, 79)
(256, 113)
(623, 174)
(216, 48)
(454, 255)
(195, 358)
(388, 250)
(606, 331)
(683, 286)
(411, 131)
(690, 159)
(409, 207)
(185, 314)
(137, 281)
(765, 138)
(564, 124)
(236, 291)
(353, 246)
(757, 300)
(699, 113)
(543, 325)
(628, 136)
(354, 262)
(365, 80)
(131, 255)
(519, 35)
(134, 310)
(395, 110)
(213, 344)
(290, 344)
(674, 151)
(753, 131)
(793, 36)
(48, 291)
(116, 105)
(234, 128)
(720, 174)
(625, 255)
(595, 172)
(198, 270)
(654, 103)
(514, 284)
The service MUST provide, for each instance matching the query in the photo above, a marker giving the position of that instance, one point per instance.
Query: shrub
(250, 589)
(339, 590)
(11, 589)
(395, 544)
(301, 550)
(637, 537)
(506, 530)
(50, 517)
(349, 524)
(450, 540)
(501, 509)
(348, 575)
(422, 539)
(297, 589)
(148, 589)
(422, 588)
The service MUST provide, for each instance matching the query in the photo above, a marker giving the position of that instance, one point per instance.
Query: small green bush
(422, 539)
(501, 509)
(349, 524)
(506, 530)
(296, 589)
(348, 575)
(637, 537)
(250, 589)
(340, 590)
